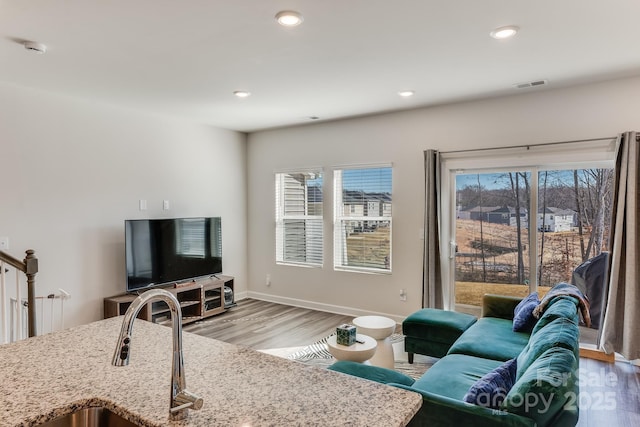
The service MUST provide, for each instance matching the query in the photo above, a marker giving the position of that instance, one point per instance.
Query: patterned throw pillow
(491, 390)
(523, 319)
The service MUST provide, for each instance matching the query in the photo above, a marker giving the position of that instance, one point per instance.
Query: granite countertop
(51, 375)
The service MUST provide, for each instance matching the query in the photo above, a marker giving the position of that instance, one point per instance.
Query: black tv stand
(198, 299)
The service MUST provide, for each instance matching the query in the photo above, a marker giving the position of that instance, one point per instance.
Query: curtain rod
(527, 146)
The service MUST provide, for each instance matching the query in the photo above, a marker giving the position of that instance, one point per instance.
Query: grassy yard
(471, 293)
(369, 249)
(561, 254)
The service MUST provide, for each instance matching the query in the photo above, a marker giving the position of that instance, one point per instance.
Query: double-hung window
(362, 227)
(299, 218)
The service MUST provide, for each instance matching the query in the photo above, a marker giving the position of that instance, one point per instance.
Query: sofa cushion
(373, 373)
(544, 388)
(501, 306)
(453, 375)
(561, 332)
(436, 325)
(562, 306)
(491, 338)
(490, 390)
(523, 320)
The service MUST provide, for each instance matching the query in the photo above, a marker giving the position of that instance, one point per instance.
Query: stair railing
(28, 266)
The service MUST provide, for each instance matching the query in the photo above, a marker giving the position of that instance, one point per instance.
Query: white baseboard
(330, 308)
(237, 296)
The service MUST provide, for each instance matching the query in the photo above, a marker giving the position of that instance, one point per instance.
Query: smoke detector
(35, 47)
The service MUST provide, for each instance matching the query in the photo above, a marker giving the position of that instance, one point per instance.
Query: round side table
(357, 352)
(380, 328)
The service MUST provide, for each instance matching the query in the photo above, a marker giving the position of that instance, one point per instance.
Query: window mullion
(533, 232)
(301, 217)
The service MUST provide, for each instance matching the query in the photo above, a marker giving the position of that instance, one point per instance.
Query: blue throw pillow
(523, 319)
(491, 390)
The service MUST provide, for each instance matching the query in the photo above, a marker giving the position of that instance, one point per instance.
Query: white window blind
(299, 228)
(362, 230)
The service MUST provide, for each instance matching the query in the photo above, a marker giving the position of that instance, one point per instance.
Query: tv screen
(164, 251)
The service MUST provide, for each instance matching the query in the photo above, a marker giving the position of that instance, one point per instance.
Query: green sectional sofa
(545, 387)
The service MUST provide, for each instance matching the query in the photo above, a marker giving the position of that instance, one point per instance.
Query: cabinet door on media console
(213, 298)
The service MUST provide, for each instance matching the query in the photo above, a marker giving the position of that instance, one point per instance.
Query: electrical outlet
(267, 280)
(4, 243)
(165, 205)
(403, 295)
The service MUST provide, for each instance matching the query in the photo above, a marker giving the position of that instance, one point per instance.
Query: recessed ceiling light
(406, 93)
(289, 18)
(504, 32)
(242, 93)
(314, 118)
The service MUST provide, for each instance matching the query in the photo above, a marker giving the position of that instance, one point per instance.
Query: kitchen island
(45, 377)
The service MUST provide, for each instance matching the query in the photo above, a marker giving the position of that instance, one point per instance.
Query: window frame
(281, 217)
(596, 153)
(338, 239)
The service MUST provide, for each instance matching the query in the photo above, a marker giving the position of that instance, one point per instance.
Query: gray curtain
(619, 332)
(432, 292)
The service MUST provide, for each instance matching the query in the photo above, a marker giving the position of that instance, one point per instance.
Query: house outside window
(363, 220)
(299, 217)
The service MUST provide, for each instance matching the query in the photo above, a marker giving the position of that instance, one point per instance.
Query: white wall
(72, 171)
(77, 169)
(598, 110)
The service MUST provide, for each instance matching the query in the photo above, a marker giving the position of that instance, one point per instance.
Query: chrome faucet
(181, 399)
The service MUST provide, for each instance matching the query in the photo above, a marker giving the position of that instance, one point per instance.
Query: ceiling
(348, 58)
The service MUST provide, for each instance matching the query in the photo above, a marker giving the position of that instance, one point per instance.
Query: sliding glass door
(491, 237)
(513, 231)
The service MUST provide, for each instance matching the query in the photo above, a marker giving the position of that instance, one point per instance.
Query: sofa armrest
(372, 373)
(444, 411)
(500, 306)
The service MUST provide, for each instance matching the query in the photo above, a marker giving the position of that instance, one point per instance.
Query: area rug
(317, 354)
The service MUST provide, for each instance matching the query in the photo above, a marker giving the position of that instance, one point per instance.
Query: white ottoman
(380, 328)
(358, 352)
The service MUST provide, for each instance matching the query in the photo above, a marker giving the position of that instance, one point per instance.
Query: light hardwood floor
(265, 325)
(609, 393)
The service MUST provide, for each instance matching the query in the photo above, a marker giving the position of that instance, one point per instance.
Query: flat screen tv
(164, 251)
